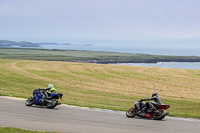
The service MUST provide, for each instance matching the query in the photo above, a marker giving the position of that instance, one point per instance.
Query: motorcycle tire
(30, 101)
(131, 112)
(52, 104)
(156, 116)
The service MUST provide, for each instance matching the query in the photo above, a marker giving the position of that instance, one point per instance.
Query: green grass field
(104, 86)
(17, 130)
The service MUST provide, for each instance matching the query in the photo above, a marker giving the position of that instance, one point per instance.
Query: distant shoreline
(25, 44)
(85, 56)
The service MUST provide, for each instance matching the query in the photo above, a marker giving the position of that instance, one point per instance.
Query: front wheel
(52, 104)
(131, 112)
(159, 115)
(30, 101)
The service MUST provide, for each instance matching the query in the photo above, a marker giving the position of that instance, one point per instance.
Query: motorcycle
(156, 112)
(38, 99)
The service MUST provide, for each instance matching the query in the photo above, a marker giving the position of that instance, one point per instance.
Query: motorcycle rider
(149, 104)
(49, 90)
(46, 92)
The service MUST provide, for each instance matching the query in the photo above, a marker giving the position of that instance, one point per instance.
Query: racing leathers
(149, 104)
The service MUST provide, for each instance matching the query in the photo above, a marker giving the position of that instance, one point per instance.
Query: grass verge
(17, 130)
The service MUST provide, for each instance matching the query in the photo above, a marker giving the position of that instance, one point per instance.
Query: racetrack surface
(69, 119)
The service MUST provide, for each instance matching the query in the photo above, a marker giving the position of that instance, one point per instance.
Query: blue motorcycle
(42, 98)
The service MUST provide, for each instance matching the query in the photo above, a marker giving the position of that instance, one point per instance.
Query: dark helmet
(155, 95)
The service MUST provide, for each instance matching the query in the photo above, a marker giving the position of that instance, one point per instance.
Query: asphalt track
(69, 119)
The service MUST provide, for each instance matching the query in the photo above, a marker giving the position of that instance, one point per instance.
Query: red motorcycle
(157, 111)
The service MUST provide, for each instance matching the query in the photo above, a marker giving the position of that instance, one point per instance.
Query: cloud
(107, 19)
(9, 10)
(12, 10)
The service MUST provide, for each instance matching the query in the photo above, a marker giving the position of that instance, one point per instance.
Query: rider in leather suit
(49, 90)
(46, 92)
(149, 104)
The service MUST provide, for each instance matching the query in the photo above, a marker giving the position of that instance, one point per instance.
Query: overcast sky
(126, 20)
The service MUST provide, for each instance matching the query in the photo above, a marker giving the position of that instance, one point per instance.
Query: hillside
(104, 86)
(89, 56)
(5, 43)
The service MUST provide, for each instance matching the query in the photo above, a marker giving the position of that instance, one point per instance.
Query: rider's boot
(139, 111)
(41, 100)
(144, 109)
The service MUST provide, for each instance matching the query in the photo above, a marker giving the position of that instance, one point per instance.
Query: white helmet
(50, 85)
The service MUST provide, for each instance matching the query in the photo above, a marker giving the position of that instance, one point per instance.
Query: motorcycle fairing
(37, 95)
(148, 115)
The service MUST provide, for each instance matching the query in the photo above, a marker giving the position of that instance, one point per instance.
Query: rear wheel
(52, 104)
(30, 101)
(131, 112)
(159, 115)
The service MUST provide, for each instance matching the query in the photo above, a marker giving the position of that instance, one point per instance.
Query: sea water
(153, 50)
(144, 49)
(183, 65)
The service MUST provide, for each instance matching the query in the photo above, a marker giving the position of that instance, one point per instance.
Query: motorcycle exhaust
(60, 98)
